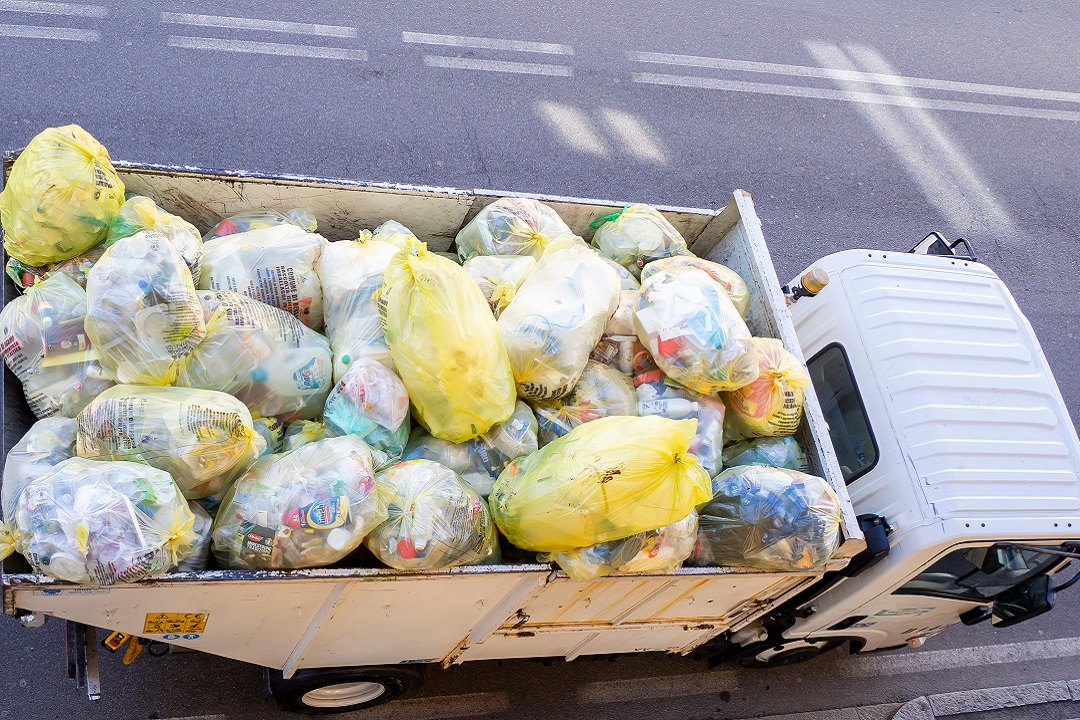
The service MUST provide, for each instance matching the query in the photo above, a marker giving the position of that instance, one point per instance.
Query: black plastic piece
(976, 615)
(876, 530)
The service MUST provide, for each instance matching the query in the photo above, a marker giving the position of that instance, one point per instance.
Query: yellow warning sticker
(174, 623)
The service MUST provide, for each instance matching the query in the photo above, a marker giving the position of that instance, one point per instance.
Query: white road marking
(45, 32)
(862, 712)
(54, 8)
(506, 66)
(445, 706)
(482, 43)
(572, 126)
(635, 136)
(239, 23)
(969, 701)
(855, 76)
(267, 48)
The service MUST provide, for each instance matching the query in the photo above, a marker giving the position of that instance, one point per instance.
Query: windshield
(959, 574)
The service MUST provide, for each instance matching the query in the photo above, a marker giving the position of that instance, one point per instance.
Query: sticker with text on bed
(174, 623)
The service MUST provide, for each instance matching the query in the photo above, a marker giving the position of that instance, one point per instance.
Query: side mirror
(1023, 602)
(936, 244)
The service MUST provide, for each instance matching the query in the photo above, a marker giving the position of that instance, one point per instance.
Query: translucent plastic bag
(351, 274)
(512, 226)
(557, 317)
(392, 232)
(143, 313)
(200, 549)
(654, 552)
(445, 345)
(693, 331)
(655, 396)
(303, 432)
(307, 508)
(260, 220)
(622, 322)
(370, 401)
(44, 342)
(87, 521)
(626, 280)
(141, 213)
(262, 355)
(273, 433)
(730, 280)
(275, 265)
(499, 277)
(636, 236)
(480, 460)
(768, 518)
(435, 520)
(771, 405)
(45, 445)
(781, 452)
(604, 480)
(59, 198)
(601, 391)
(203, 438)
(76, 268)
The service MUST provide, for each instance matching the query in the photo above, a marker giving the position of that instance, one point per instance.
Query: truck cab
(956, 448)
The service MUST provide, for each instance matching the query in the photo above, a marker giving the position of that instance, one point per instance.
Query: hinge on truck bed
(83, 659)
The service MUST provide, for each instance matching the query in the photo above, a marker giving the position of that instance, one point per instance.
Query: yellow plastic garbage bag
(45, 445)
(76, 268)
(499, 277)
(693, 331)
(143, 313)
(556, 318)
(203, 438)
(601, 391)
(60, 196)
(261, 354)
(101, 523)
(637, 235)
(394, 233)
(306, 508)
(371, 402)
(445, 345)
(276, 265)
(604, 480)
(730, 280)
(512, 226)
(44, 342)
(435, 520)
(771, 405)
(781, 452)
(261, 219)
(141, 213)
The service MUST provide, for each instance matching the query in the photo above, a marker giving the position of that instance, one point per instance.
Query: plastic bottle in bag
(636, 236)
(306, 508)
(275, 265)
(781, 452)
(693, 331)
(59, 197)
(556, 319)
(76, 268)
(261, 354)
(143, 313)
(44, 342)
(770, 405)
(604, 480)
(601, 391)
(768, 518)
(370, 401)
(203, 438)
(200, 549)
(499, 277)
(351, 274)
(656, 396)
(101, 523)
(512, 226)
(261, 219)
(435, 520)
(730, 280)
(445, 345)
(45, 445)
(141, 213)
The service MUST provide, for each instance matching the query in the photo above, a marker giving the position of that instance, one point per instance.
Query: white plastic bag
(371, 402)
(730, 280)
(512, 226)
(45, 445)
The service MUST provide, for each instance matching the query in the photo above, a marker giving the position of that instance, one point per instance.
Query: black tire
(789, 656)
(338, 690)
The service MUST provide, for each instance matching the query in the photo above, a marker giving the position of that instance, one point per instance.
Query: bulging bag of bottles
(445, 345)
(499, 277)
(655, 552)
(693, 331)
(59, 198)
(76, 268)
(45, 445)
(601, 391)
(370, 401)
(203, 438)
(656, 396)
(636, 236)
(604, 480)
(781, 452)
(275, 265)
(730, 280)
(557, 317)
(770, 405)
(435, 520)
(87, 521)
(44, 342)
(141, 213)
(512, 226)
(264, 356)
(768, 518)
(307, 508)
(202, 526)
(260, 220)
(480, 460)
(351, 274)
(143, 313)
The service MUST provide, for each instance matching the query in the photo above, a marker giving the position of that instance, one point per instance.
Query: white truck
(936, 419)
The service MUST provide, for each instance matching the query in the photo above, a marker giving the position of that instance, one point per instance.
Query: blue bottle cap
(260, 375)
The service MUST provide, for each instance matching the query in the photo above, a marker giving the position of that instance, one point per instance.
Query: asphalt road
(669, 103)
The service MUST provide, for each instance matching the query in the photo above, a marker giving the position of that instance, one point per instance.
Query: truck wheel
(338, 690)
(787, 653)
